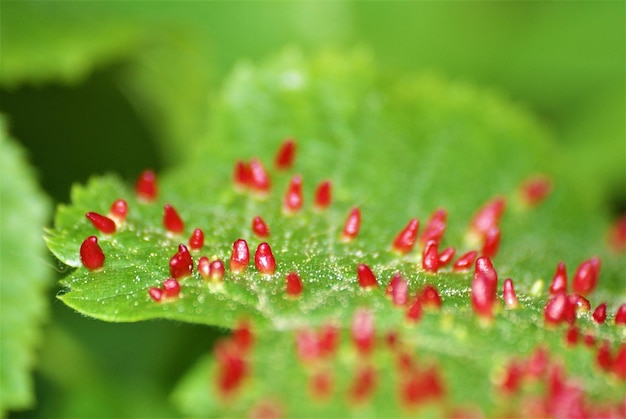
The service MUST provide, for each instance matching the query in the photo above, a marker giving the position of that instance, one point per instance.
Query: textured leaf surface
(24, 274)
(395, 147)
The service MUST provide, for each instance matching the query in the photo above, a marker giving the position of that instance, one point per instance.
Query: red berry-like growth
(435, 227)
(217, 270)
(119, 210)
(196, 241)
(171, 288)
(415, 311)
(259, 227)
(323, 195)
(559, 281)
(171, 220)
(232, 367)
(364, 384)
(156, 294)
(363, 330)
(366, 277)
(241, 175)
(430, 257)
(240, 257)
(599, 314)
(398, 289)
(620, 315)
(491, 242)
(508, 294)
(429, 297)
(204, 267)
(293, 284)
(102, 223)
(586, 276)
(91, 254)
(446, 256)
(264, 259)
(352, 226)
(466, 261)
(181, 264)
(535, 190)
(405, 240)
(286, 155)
(484, 288)
(488, 216)
(293, 197)
(259, 179)
(146, 186)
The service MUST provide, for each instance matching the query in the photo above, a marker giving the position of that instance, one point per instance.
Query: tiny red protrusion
(405, 240)
(603, 356)
(398, 289)
(617, 234)
(366, 277)
(465, 262)
(156, 294)
(102, 223)
(491, 242)
(307, 345)
(620, 315)
(242, 336)
(204, 267)
(293, 197)
(91, 255)
(321, 384)
(259, 179)
(352, 226)
(217, 270)
(446, 256)
(146, 186)
(619, 364)
(415, 311)
(430, 257)
(259, 227)
(232, 367)
(323, 195)
(119, 210)
(328, 339)
(240, 257)
(535, 190)
(171, 220)
(293, 284)
(435, 227)
(581, 303)
(599, 314)
(586, 277)
(286, 155)
(508, 294)
(554, 312)
(429, 297)
(513, 376)
(363, 330)
(264, 259)
(488, 215)
(181, 264)
(196, 241)
(572, 336)
(484, 288)
(171, 288)
(241, 175)
(364, 384)
(559, 282)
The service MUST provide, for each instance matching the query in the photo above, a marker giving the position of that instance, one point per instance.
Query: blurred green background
(93, 87)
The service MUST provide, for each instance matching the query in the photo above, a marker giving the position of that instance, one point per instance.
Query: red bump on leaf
(554, 311)
(513, 375)
(241, 175)
(321, 384)
(599, 314)
(617, 234)
(181, 264)
(508, 294)
(171, 220)
(323, 195)
(446, 256)
(119, 210)
(620, 315)
(488, 216)
(259, 180)
(293, 197)
(589, 339)
(91, 255)
(421, 386)
(362, 330)
(581, 303)
(465, 262)
(538, 362)
(352, 226)
(619, 364)
(435, 227)
(484, 288)
(364, 384)
(293, 284)
(415, 311)
(264, 259)
(429, 297)
(259, 227)
(572, 336)
(242, 336)
(559, 281)
(405, 240)
(102, 223)
(366, 277)
(307, 345)
(171, 288)
(286, 155)
(586, 276)
(240, 257)
(204, 267)
(156, 294)
(328, 339)
(430, 257)
(398, 289)
(603, 356)
(217, 270)
(146, 186)
(232, 367)
(535, 190)
(196, 241)
(491, 242)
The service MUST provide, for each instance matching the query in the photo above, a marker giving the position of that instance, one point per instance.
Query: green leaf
(25, 273)
(396, 147)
